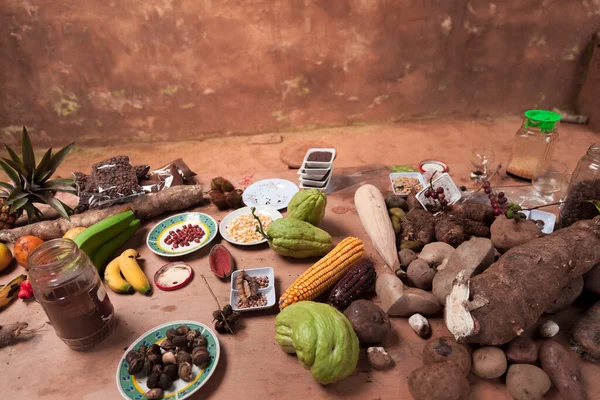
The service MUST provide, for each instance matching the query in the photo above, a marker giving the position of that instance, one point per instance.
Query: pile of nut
(182, 237)
(263, 281)
(169, 361)
(253, 301)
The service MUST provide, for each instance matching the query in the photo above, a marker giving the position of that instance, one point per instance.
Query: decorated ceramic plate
(246, 212)
(270, 192)
(133, 387)
(202, 227)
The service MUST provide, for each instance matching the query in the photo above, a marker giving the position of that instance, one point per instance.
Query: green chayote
(308, 205)
(322, 338)
(294, 238)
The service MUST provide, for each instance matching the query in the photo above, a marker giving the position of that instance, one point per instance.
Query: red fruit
(427, 194)
(503, 200)
(492, 198)
(443, 202)
(495, 205)
(440, 190)
(500, 195)
(434, 195)
(441, 196)
(487, 190)
(497, 211)
(26, 285)
(486, 184)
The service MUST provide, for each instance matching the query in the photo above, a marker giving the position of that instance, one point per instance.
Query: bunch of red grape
(438, 196)
(498, 201)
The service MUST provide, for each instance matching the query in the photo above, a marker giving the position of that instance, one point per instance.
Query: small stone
(379, 358)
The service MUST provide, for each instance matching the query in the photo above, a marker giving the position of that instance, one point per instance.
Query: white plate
(270, 192)
(269, 291)
(415, 175)
(246, 210)
(548, 218)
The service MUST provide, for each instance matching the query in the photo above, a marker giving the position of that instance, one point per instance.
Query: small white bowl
(313, 173)
(451, 191)
(416, 175)
(548, 218)
(318, 164)
(242, 211)
(269, 291)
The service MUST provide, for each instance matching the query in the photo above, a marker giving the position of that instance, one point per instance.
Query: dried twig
(218, 305)
(481, 187)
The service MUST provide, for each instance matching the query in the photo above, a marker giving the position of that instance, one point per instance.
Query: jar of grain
(584, 186)
(534, 142)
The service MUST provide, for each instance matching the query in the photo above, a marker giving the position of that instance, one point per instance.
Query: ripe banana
(9, 292)
(101, 256)
(113, 278)
(103, 231)
(133, 273)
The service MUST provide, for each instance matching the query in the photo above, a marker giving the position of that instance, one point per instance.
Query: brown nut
(172, 371)
(154, 358)
(152, 381)
(182, 330)
(167, 345)
(165, 382)
(200, 341)
(191, 335)
(171, 333)
(169, 358)
(179, 341)
(157, 369)
(133, 354)
(153, 394)
(153, 349)
(183, 356)
(201, 358)
(185, 371)
(136, 366)
(147, 369)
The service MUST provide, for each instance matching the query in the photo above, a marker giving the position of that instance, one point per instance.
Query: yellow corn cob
(325, 273)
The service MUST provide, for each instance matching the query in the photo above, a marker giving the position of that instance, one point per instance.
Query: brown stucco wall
(145, 70)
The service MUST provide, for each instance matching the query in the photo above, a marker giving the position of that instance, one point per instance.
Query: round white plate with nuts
(239, 226)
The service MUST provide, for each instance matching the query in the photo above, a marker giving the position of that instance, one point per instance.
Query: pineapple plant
(30, 184)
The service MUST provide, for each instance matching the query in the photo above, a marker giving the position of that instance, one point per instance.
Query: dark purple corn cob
(353, 286)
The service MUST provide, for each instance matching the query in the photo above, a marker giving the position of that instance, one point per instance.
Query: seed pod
(152, 381)
(157, 369)
(185, 371)
(153, 394)
(147, 369)
(153, 349)
(172, 371)
(234, 317)
(227, 310)
(167, 345)
(179, 341)
(136, 366)
(171, 333)
(133, 354)
(169, 358)
(165, 382)
(200, 341)
(201, 358)
(154, 358)
(182, 330)
(191, 335)
(183, 356)
(217, 315)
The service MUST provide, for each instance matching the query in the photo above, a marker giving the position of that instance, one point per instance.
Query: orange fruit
(24, 246)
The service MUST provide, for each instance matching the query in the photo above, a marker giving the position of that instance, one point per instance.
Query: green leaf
(33, 213)
(16, 195)
(17, 167)
(14, 156)
(12, 174)
(17, 205)
(56, 160)
(28, 154)
(63, 209)
(7, 186)
(44, 164)
(595, 203)
(59, 185)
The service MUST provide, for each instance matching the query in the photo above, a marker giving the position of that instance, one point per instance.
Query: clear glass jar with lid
(67, 285)
(584, 186)
(534, 142)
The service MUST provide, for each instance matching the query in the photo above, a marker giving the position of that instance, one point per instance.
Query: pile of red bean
(184, 236)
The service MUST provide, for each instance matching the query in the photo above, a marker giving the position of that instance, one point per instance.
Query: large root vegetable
(563, 370)
(449, 229)
(585, 338)
(508, 233)
(401, 301)
(423, 224)
(567, 295)
(173, 199)
(498, 305)
(592, 280)
(474, 211)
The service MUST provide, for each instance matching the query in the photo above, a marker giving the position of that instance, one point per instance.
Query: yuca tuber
(413, 202)
(514, 292)
(172, 199)
(474, 211)
(449, 229)
(476, 228)
(423, 226)
(585, 338)
(567, 295)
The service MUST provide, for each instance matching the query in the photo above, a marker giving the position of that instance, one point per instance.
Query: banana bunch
(124, 275)
(101, 240)
(9, 292)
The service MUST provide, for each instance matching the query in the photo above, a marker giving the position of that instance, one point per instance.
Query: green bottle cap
(545, 120)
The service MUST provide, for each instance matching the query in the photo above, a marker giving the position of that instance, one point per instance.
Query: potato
(489, 362)
(522, 350)
(370, 323)
(437, 253)
(421, 274)
(592, 279)
(527, 382)
(507, 233)
(439, 381)
(406, 256)
(445, 349)
(562, 369)
(568, 294)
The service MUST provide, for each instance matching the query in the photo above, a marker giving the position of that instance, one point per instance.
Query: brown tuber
(446, 350)
(406, 257)
(562, 369)
(585, 339)
(379, 358)
(421, 273)
(368, 320)
(567, 295)
(522, 350)
(489, 362)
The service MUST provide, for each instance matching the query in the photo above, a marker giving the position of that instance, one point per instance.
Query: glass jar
(67, 285)
(534, 142)
(584, 186)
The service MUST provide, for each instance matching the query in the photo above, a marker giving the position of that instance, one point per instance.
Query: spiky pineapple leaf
(14, 156)
(33, 213)
(7, 186)
(60, 185)
(44, 164)
(56, 160)
(12, 174)
(16, 195)
(19, 168)
(28, 154)
(60, 207)
(595, 203)
(17, 205)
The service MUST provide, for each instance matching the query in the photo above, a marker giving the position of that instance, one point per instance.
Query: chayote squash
(308, 205)
(294, 238)
(322, 338)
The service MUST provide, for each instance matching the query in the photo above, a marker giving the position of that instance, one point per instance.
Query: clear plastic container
(534, 142)
(584, 186)
(67, 285)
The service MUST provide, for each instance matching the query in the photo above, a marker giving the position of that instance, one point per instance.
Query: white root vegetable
(549, 329)
(401, 301)
(420, 325)
(437, 253)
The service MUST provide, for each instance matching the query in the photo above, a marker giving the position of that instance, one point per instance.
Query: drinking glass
(481, 158)
(549, 177)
